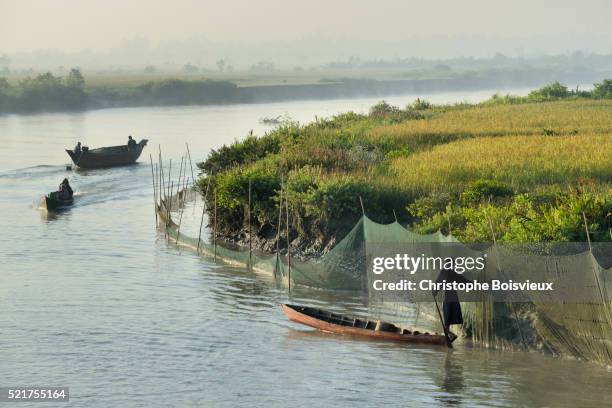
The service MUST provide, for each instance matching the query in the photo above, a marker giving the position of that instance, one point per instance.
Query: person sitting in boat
(65, 192)
(78, 149)
(131, 142)
(451, 308)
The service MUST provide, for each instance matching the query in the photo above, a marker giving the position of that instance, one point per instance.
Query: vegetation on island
(29, 91)
(531, 165)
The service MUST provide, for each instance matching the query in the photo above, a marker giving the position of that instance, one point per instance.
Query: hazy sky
(102, 25)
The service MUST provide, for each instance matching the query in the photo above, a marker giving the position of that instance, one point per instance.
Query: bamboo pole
(203, 211)
(362, 207)
(586, 228)
(181, 187)
(394, 215)
(278, 229)
(162, 187)
(250, 234)
(181, 204)
(288, 243)
(178, 183)
(161, 179)
(449, 343)
(154, 189)
(163, 174)
(190, 163)
(169, 206)
(169, 196)
(215, 225)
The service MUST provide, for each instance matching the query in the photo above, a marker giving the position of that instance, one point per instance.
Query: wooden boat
(52, 203)
(354, 326)
(107, 156)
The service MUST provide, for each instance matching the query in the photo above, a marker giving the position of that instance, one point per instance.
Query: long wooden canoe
(107, 156)
(354, 326)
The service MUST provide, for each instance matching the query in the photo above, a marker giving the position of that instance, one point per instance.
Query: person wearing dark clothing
(131, 142)
(78, 149)
(451, 308)
(65, 191)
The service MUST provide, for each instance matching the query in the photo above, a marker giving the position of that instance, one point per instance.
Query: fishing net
(581, 329)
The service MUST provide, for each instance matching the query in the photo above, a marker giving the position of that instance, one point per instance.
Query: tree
(75, 79)
(603, 90)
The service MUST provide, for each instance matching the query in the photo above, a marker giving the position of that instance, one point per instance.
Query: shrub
(553, 91)
(419, 104)
(481, 190)
(383, 110)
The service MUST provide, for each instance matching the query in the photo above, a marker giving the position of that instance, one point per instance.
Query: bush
(419, 104)
(553, 91)
(382, 110)
(239, 153)
(481, 190)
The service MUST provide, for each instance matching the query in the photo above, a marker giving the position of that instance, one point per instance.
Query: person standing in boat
(65, 192)
(77, 149)
(131, 142)
(451, 308)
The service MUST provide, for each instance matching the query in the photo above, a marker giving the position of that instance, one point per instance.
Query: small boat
(270, 120)
(355, 326)
(52, 203)
(107, 156)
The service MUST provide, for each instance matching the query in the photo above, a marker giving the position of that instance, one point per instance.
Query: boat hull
(300, 315)
(52, 204)
(107, 156)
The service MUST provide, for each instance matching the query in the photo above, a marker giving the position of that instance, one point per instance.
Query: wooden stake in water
(394, 215)
(161, 178)
(203, 211)
(154, 189)
(190, 163)
(362, 208)
(169, 197)
(178, 184)
(162, 187)
(168, 215)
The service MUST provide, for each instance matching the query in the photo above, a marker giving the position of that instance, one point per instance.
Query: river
(97, 300)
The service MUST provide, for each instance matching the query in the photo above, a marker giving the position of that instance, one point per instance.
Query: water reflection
(451, 382)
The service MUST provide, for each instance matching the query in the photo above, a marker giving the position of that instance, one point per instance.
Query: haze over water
(97, 300)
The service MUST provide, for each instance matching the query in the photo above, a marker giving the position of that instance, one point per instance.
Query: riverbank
(74, 91)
